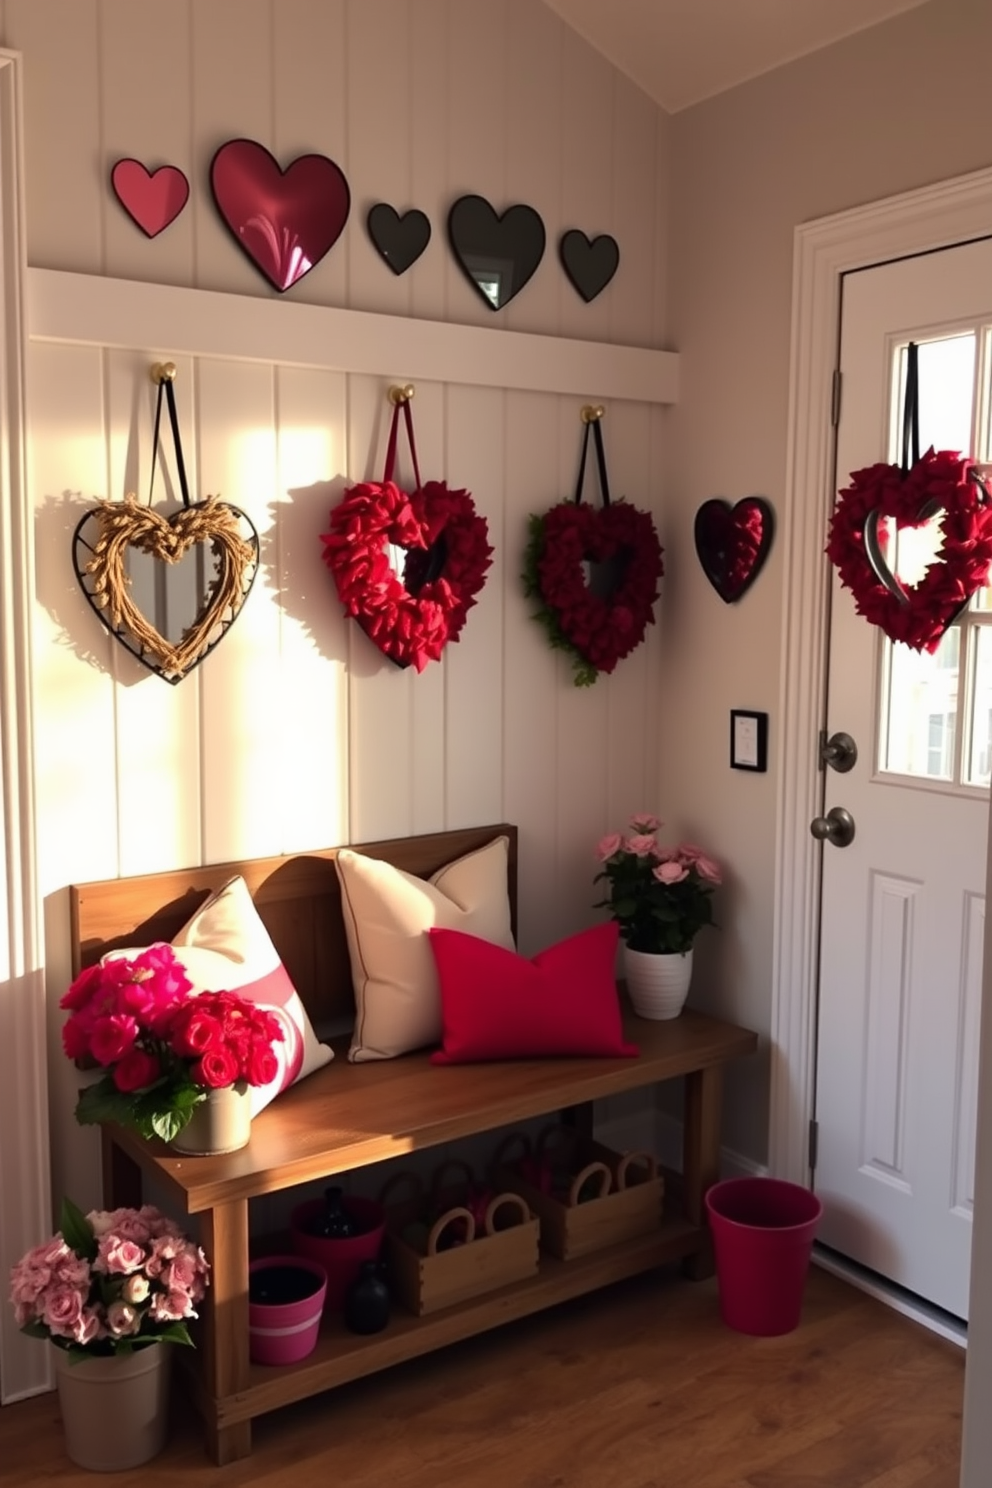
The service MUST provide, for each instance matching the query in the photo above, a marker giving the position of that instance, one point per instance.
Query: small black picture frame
(748, 740)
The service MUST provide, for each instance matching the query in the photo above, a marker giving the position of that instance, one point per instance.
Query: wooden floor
(639, 1386)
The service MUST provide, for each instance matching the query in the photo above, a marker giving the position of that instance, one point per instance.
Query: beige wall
(890, 109)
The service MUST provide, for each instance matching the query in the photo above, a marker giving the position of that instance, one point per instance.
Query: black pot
(366, 1302)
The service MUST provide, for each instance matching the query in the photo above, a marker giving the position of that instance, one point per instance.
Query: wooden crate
(426, 1279)
(631, 1206)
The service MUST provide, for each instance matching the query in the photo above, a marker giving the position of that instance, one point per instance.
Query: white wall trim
(25, 1212)
(935, 217)
(124, 313)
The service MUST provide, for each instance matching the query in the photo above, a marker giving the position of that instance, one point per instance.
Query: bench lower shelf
(341, 1356)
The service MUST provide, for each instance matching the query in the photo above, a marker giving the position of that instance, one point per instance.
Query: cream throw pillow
(387, 914)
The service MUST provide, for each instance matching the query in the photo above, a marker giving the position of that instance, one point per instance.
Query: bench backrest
(297, 897)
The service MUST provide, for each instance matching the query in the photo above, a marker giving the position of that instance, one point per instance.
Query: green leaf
(77, 1232)
(35, 1329)
(168, 1124)
(175, 1333)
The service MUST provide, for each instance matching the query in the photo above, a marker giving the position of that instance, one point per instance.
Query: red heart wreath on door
(943, 482)
(411, 616)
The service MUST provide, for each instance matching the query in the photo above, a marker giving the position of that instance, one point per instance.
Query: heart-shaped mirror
(590, 263)
(497, 252)
(732, 543)
(150, 581)
(285, 221)
(398, 240)
(152, 199)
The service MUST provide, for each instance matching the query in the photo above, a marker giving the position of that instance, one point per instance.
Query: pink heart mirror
(152, 199)
(285, 221)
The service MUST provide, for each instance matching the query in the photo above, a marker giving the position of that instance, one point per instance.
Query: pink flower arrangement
(659, 896)
(162, 1045)
(109, 1282)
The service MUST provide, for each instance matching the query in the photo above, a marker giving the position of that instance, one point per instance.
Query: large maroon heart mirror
(284, 220)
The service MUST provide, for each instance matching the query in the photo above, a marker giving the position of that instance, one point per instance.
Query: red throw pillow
(498, 1005)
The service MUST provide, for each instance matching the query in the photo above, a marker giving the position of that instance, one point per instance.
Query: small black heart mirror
(497, 252)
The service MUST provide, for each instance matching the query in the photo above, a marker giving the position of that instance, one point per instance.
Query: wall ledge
(91, 310)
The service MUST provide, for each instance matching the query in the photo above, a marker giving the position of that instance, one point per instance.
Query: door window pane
(922, 696)
(946, 370)
(980, 753)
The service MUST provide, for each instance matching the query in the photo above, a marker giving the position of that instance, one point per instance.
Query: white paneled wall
(419, 101)
(296, 732)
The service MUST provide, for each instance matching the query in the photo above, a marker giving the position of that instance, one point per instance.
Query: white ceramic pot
(657, 983)
(221, 1123)
(115, 1410)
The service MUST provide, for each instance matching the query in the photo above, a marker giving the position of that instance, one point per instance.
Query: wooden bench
(345, 1117)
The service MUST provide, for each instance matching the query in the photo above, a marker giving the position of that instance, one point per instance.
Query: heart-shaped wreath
(938, 482)
(126, 524)
(106, 535)
(410, 617)
(598, 622)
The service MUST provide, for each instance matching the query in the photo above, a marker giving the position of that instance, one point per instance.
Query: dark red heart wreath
(941, 482)
(410, 618)
(599, 629)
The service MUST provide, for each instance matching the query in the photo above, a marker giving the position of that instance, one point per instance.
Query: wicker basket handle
(499, 1202)
(504, 1155)
(636, 1160)
(556, 1139)
(413, 1182)
(455, 1171)
(591, 1170)
(442, 1222)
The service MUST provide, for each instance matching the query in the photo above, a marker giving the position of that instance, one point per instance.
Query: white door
(903, 905)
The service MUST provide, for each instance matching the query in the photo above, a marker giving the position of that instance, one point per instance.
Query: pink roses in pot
(109, 1282)
(162, 1046)
(659, 896)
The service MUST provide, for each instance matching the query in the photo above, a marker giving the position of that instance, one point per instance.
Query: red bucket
(763, 1231)
(341, 1259)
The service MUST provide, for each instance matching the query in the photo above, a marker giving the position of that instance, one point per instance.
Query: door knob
(836, 827)
(839, 752)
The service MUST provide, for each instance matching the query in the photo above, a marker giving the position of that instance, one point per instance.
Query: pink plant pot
(341, 1259)
(285, 1305)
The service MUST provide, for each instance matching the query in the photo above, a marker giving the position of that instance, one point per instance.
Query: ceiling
(682, 51)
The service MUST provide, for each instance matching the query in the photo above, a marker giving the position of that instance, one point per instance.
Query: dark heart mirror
(285, 221)
(732, 543)
(498, 252)
(398, 239)
(590, 263)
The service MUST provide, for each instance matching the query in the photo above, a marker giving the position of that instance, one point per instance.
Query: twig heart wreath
(410, 615)
(101, 564)
(910, 494)
(594, 572)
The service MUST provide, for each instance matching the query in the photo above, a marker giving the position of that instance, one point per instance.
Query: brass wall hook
(591, 413)
(163, 372)
(398, 395)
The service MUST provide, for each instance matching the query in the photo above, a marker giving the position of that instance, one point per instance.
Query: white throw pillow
(387, 913)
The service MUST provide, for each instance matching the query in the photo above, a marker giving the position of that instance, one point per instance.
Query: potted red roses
(171, 1057)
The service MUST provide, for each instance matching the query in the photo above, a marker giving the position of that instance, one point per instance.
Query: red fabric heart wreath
(937, 482)
(410, 618)
(598, 629)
